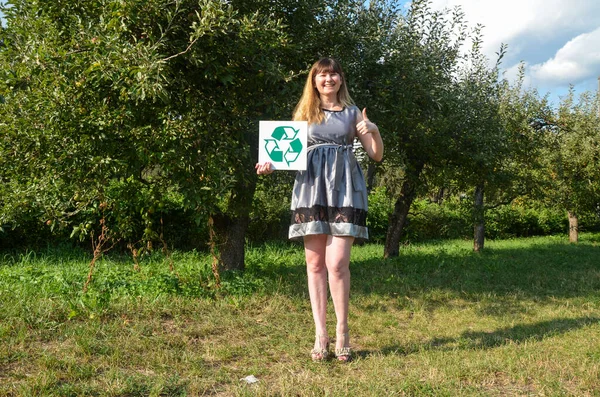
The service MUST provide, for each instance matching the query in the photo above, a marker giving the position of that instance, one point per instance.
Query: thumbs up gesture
(366, 126)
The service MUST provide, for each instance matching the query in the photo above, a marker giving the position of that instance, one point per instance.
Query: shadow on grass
(472, 340)
(536, 268)
(516, 334)
(428, 275)
(541, 271)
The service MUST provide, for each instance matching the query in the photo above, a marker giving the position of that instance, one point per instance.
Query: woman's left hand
(366, 126)
(369, 137)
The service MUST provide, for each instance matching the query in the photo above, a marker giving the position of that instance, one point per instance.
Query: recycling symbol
(290, 145)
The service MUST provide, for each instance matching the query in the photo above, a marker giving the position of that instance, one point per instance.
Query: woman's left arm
(369, 137)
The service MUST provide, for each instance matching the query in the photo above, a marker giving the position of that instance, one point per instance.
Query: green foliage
(270, 216)
(522, 221)
(381, 206)
(111, 109)
(451, 219)
(143, 115)
(572, 154)
(412, 90)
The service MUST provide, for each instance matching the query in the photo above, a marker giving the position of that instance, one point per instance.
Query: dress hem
(299, 230)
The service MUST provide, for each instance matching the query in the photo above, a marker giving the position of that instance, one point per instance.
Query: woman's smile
(327, 82)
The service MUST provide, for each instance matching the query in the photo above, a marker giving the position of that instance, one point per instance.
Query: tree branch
(182, 52)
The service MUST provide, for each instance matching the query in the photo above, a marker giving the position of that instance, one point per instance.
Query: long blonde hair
(309, 105)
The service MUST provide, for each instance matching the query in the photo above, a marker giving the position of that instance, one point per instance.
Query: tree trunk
(371, 171)
(438, 197)
(230, 226)
(573, 227)
(478, 220)
(230, 239)
(398, 218)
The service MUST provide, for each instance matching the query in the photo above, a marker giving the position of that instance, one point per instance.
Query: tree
(481, 142)
(157, 103)
(413, 98)
(573, 157)
(504, 162)
(111, 109)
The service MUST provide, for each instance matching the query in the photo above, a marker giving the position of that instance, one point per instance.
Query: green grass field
(520, 319)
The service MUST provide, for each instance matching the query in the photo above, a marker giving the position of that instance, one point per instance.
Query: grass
(520, 319)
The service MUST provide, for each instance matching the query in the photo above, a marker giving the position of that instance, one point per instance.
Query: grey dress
(330, 196)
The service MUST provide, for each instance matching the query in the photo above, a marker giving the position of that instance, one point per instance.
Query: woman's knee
(315, 251)
(338, 266)
(316, 265)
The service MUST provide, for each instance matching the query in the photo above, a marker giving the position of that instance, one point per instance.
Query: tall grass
(522, 318)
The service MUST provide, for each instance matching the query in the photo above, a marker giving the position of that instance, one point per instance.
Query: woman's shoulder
(354, 112)
(353, 108)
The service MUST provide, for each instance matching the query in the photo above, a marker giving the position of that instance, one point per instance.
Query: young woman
(329, 200)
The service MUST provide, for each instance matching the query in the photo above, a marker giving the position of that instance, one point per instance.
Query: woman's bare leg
(337, 259)
(314, 250)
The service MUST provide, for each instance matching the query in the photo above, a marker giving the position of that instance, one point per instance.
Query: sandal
(343, 354)
(320, 353)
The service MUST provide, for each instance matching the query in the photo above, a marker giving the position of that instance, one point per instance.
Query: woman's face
(328, 82)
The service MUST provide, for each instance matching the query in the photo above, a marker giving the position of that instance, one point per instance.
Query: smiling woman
(325, 88)
(329, 199)
(328, 83)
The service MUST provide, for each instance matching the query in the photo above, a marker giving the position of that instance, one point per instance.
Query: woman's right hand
(263, 169)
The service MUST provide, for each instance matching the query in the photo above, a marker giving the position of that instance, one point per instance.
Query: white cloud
(513, 21)
(577, 60)
(558, 40)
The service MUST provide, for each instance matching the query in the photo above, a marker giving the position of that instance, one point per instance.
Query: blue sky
(558, 40)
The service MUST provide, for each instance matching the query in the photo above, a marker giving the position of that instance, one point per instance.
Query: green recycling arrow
(284, 133)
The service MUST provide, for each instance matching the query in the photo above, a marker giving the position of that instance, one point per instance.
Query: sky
(557, 40)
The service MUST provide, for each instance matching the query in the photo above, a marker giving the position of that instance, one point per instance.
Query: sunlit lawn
(522, 318)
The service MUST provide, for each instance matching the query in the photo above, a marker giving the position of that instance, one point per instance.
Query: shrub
(380, 208)
(270, 216)
(429, 220)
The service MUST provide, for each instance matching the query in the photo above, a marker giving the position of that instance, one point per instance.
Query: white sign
(283, 144)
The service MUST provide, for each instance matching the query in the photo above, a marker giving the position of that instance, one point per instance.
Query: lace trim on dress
(321, 213)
